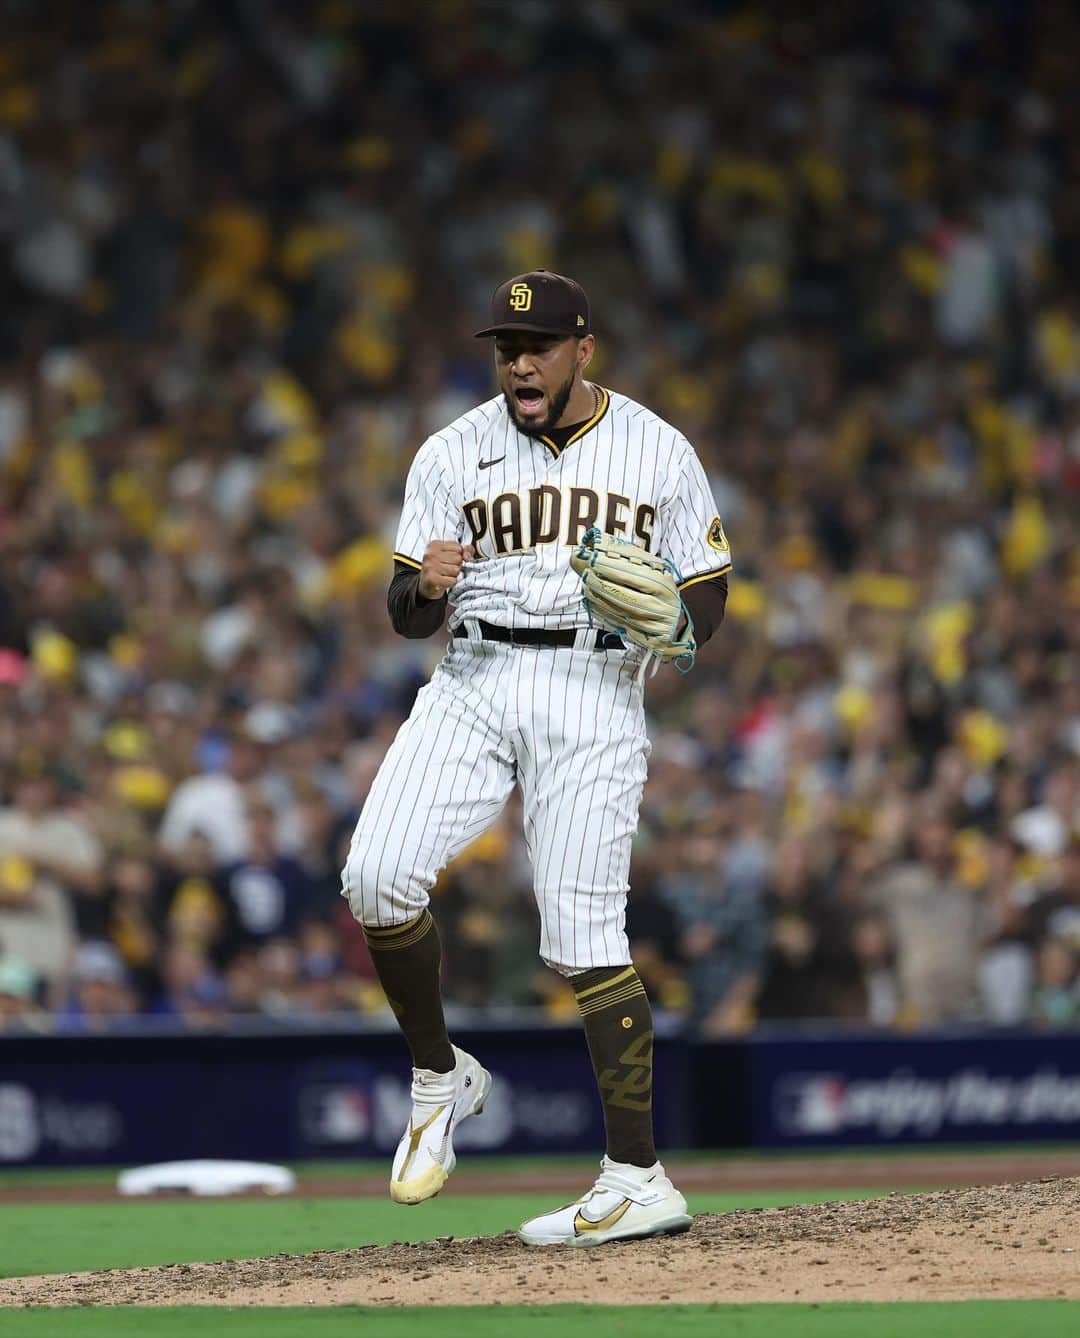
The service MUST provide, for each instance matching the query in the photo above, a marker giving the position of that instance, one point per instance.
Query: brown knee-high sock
(406, 959)
(618, 1027)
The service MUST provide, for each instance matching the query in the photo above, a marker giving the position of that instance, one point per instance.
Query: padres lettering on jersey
(516, 521)
(524, 504)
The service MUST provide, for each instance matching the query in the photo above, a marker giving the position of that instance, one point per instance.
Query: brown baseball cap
(540, 302)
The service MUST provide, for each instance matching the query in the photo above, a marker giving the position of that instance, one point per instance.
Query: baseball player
(540, 520)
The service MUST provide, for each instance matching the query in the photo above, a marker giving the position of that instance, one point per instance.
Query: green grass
(955, 1319)
(17, 1177)
(49, 1175)
(75, 1237)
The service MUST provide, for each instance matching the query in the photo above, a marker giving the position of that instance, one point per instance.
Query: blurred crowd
(243, 246)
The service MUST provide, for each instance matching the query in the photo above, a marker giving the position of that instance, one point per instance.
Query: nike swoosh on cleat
(582, 1223)
(416, 1134)
(486, 464)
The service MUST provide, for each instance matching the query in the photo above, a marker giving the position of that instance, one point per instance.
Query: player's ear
(586, 346)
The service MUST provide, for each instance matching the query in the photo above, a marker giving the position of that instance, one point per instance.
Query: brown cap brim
(508, 327)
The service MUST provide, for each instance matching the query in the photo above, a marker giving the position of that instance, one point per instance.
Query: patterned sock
(407, 959)
(618, 1027)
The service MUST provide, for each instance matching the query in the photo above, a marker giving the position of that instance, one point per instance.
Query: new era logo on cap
(541, 302)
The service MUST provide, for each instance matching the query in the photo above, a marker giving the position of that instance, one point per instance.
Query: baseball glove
(636, 594)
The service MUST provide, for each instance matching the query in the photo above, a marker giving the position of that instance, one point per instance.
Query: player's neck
(580, 406)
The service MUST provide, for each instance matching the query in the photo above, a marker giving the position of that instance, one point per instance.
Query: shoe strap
(630, 1187)
(432, 1089)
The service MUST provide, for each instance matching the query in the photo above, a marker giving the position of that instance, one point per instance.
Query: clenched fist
(441, 567)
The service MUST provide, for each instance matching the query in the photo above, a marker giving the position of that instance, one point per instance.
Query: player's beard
(559, 401)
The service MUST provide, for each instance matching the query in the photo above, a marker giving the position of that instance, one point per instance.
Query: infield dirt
(957, 1169)
(1020, 1241)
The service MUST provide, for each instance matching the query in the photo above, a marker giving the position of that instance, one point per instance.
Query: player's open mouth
(529, 399)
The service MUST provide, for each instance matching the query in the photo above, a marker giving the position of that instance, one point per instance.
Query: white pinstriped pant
(569, 727)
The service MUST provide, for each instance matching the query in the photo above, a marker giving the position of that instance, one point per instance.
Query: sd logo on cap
(540, 302)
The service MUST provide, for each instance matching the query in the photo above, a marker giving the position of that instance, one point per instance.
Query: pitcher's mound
(1007, 1241)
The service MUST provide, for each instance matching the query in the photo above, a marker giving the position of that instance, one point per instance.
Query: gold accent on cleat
(423, 1187)
(582, 1224)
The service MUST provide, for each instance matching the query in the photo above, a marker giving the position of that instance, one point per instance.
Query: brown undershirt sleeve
(705, 603)
(411, 614)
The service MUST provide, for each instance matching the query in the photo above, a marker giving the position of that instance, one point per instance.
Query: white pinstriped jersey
(525, 504)
(565, 724)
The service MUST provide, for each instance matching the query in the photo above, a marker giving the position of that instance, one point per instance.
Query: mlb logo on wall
(333, 1114)
(810, 1103)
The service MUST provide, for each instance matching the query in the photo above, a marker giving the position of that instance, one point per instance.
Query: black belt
(540, 636)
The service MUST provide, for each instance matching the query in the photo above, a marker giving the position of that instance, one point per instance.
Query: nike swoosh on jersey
(486, 464)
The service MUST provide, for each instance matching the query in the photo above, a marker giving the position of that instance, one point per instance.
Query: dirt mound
(1006, 1241)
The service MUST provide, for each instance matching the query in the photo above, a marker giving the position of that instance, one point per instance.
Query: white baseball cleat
(425, 1155)
(625, 1203)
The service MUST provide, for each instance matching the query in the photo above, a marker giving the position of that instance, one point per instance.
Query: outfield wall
(291, 1095)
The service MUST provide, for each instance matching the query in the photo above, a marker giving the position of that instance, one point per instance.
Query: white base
(206, 1178)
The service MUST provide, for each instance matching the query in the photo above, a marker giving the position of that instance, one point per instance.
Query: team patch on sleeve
(716, 536)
